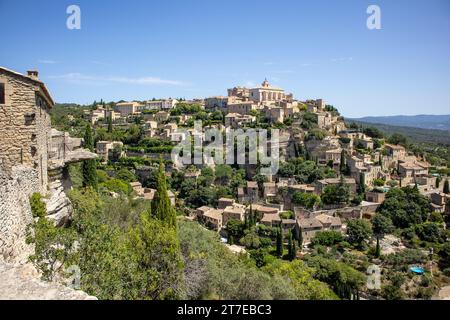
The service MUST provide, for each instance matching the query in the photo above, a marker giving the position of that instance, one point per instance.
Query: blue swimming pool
(417, 270)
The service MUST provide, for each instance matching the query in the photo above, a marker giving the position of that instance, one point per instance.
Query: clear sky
(197, 48)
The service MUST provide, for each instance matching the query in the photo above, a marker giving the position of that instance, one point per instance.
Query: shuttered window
(2, 93)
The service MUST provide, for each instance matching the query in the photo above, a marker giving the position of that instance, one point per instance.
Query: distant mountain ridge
(424, 121)
(417, 135)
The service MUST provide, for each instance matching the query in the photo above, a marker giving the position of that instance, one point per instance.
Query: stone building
(24, 123)
(216, 103)
(242, 107)
(127, 108)
(239, 92)
(104, 148)
(266, 93)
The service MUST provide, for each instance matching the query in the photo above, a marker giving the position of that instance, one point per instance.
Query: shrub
(37, 206)
(327, 238)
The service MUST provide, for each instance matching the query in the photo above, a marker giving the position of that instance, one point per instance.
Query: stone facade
(25, 123)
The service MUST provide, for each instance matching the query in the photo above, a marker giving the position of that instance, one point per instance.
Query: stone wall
(15, 212)
(24, 126)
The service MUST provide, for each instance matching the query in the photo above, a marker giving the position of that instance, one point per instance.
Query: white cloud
(79, 78)
(287, 71)
(100, 63)
(46, 61)
(344, 59)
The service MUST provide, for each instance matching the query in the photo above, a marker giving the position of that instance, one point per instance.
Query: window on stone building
(2, 93)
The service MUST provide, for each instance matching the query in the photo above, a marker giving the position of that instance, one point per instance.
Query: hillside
(418, 135)
(438, 122)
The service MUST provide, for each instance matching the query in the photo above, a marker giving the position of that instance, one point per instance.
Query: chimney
(33, 74)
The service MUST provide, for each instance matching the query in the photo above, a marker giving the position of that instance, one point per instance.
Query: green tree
(251, 240)
(308, 200)
(223, 173)
(51, 247)
(300, 240)
(126, 175)
(336, 194)
(161, 207)
(157, 258)
(381, 225)
(446, 189)
(438, 182)
(235, 229)
(405, 207)
(342, 164)
(431, 232)
(300, 276)
(362, 184)
(377, 248)
(110, 126)
(279, 242)
(359, 231)
(89, 167)
(292, 250)
(345, 281)
(397, 138)
(327, 238)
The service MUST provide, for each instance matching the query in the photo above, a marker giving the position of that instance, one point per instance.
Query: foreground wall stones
(15, 212)
(22, 282)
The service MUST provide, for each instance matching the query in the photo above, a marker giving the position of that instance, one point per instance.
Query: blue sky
(196, 48)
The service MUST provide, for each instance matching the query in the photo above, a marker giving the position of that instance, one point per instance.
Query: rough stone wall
(24, 126)
(15, 212)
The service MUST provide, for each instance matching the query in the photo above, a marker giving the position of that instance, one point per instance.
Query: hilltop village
(363, 165)
(344, 198)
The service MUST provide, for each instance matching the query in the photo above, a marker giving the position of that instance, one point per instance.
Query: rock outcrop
(59, 207)
(22, 282)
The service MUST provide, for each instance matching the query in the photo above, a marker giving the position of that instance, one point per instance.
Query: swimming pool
(417, 270)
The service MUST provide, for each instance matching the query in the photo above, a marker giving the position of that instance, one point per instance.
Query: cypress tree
(300, 239)
(161, 207)
(290, 247)
(89, 167)
(377, 249)
(88, 139)
(110, 126)
(250, 214)
(279, 242)
(438, 182)
(342, 164)
(362, 184)
(446, 187)
(246, 221)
